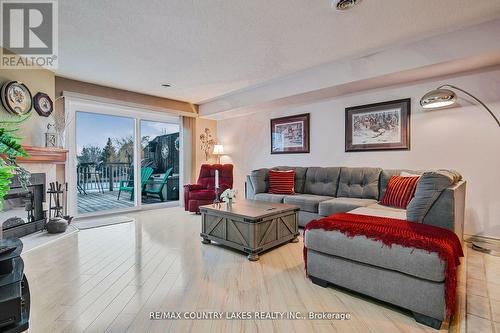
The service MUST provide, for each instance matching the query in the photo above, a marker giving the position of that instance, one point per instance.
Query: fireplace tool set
(58, 220)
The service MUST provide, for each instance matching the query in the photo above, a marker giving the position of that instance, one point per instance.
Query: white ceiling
(209, 48)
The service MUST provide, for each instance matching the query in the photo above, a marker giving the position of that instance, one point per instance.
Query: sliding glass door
(121, 158)
(105, 162)
(160, 147)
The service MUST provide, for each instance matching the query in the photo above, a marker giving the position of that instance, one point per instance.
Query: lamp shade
(438, 98)
(218, 150)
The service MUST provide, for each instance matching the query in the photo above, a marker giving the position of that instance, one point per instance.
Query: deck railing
(103, 176)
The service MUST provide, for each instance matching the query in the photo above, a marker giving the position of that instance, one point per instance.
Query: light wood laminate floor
(483, 293)
(110, 278)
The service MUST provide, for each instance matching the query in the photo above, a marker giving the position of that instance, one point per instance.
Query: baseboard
(486, 239)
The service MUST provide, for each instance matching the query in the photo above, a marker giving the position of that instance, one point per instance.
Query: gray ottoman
(407, 277)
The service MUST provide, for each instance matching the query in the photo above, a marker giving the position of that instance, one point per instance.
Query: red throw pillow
(400, 190)
(281, 182)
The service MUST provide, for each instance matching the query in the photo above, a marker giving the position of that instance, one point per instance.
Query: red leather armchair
(203, 192)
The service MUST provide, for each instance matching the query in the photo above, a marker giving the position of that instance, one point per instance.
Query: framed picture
(290, 135)
(380, 126)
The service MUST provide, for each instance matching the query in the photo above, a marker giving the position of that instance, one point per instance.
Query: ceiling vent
(345, 4)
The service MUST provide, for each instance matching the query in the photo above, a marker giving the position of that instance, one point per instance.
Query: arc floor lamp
(442, 97)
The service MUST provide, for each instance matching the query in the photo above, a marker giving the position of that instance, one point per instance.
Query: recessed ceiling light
(166, 85)
(344, 4)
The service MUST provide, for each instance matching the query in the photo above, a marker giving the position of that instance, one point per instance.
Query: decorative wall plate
(16, 97)
(43, 104)
(177, 144)
(165, 151)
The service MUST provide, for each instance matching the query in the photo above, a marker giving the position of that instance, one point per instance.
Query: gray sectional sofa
(407, 277)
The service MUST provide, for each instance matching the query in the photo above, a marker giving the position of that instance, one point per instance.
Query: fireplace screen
(23, 209)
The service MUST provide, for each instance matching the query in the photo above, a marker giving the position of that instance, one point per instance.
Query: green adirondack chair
(128, 185)
(158, 190)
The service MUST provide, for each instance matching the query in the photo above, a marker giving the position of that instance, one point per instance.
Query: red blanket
(409, 234)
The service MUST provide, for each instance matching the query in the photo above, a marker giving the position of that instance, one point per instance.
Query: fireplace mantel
(44, 155)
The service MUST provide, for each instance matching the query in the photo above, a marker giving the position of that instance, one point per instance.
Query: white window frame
(75, 103)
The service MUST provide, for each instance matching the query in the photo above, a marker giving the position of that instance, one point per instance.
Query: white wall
(464, 138)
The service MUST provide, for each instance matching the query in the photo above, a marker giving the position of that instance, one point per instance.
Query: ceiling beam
(449, 53)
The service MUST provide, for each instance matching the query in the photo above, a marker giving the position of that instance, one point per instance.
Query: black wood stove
(14, 289)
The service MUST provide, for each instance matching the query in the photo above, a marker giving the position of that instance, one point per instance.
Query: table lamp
(218, 151)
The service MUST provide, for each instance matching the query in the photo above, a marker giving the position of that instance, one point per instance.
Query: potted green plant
(10, 149)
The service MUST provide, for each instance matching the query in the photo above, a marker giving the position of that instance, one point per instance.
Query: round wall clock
(16, 97)
(43, 104)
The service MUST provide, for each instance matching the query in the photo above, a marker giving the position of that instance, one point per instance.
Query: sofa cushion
(408, 260)
(306, 217)
(300, 176)
(270, 197)
(381, 211)
(400, 191)
(281, 182)
(259, 179)
(207, 175)
(359, 183)
(322, 181)
(429, 188)
(202, 195)
(386, 175)
(342, 205)
(306, 202)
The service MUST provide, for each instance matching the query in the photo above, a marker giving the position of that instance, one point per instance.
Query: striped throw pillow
(400, 190)
(281, 182)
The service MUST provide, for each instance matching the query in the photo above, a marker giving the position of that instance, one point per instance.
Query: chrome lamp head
(438, 98)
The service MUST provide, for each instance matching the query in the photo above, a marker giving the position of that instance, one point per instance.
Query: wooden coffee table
(250, 226)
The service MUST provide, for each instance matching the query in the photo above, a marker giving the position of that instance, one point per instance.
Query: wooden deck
(95, 201)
